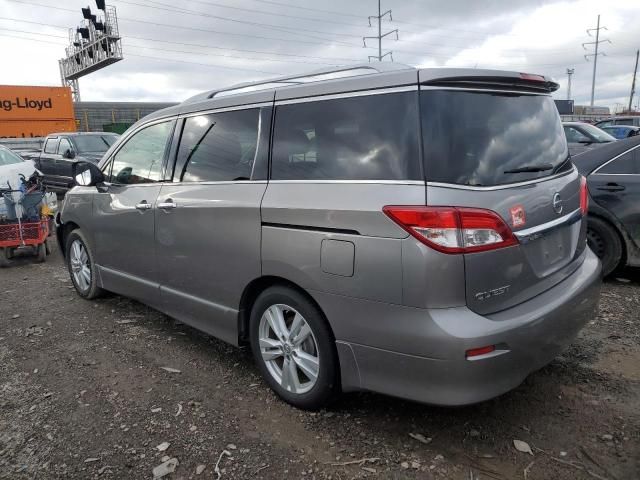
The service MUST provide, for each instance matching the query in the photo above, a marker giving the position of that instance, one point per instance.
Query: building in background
(28, 111)
(112, 116)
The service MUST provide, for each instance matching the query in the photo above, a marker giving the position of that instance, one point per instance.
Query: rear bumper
(432, 368)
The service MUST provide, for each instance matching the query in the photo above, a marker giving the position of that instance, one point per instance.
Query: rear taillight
(453, 229)
(584, 196)
(532, 77)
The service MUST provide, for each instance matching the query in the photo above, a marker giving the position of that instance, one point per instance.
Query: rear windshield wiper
(531, 168)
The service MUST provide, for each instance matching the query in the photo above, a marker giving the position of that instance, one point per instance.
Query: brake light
(453, 229)
(476, 352)
(532, 77)
(584, 196)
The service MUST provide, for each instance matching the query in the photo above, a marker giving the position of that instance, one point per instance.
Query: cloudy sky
(172, 52)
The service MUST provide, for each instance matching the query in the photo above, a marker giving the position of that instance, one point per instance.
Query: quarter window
(218, 147)
(372, 137)
(627, 164)
(140, 159)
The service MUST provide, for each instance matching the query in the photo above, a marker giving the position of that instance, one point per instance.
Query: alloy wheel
(80, 267)
(289, 348)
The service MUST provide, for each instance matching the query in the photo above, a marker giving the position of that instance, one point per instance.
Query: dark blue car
(622, 131)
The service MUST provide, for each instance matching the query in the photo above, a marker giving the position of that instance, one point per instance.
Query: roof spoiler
(525, 81)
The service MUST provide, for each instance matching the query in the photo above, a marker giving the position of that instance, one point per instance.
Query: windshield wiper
(561, 165)
(531, 168)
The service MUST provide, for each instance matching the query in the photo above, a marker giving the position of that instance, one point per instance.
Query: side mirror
(70, 154)
(87, 174)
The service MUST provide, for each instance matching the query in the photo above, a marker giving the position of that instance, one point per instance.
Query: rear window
(477, 138)
(627, 164)
(93, 143)
(359, 138)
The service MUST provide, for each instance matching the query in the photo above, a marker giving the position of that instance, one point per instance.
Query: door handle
(143, 205)
(166, 205)
(612, 187)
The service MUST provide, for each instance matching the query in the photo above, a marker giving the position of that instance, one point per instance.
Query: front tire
(6, 254)
(605, 243)
(294, 348)
(81, 266)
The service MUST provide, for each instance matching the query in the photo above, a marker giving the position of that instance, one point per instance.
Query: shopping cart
(23, 225)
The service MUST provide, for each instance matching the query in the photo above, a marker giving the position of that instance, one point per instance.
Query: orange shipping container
(27, 111)
(35, 128)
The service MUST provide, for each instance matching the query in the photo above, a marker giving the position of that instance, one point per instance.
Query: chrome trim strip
(471, 89)
(357, 93)
(616, 174)
(500, 187)
(222, 182)
(529, 234)
(595, 172)
(248, 106)
(354, 182)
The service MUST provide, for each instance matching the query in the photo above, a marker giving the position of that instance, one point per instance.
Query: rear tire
(297, 360)
(80, 263)
(41, 253)
(605, 243)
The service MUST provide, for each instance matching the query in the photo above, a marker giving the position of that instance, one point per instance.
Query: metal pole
(569, 73)
(379, 32)
(633, 83)
(595, 62)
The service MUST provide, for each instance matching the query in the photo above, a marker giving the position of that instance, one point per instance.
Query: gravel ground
(83, 394)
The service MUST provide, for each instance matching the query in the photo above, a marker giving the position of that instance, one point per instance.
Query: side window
(624, 121)
(50, 145)
(372, 137)
(218, 147)
(628, 164)
(574, 135)
(140, 159)
(604, 124)
(63, 146)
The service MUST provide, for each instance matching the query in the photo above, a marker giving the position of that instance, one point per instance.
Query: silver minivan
(418, 233)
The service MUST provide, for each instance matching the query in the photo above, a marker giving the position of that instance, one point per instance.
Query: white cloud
(540, 37)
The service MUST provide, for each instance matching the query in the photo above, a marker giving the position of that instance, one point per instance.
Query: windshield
(490, 138)
(594, 132)
(7, 157)
(94, 143)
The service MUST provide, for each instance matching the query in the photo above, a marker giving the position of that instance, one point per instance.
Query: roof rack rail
(316, 76)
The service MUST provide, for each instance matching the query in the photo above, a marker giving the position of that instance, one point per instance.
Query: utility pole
(633, 83)
(595, 54)
(380, 35)
(569, 73)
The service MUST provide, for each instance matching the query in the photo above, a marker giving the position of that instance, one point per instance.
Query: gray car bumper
(420, 354)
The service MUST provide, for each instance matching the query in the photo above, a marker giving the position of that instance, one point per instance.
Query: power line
(595, 54)
(177, 51)
(341, 59)
(148, 56)
(380, 35)
(267, 26)
(276, 14)
(181, 27)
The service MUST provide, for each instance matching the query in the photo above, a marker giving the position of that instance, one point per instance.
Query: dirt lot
(83, 395)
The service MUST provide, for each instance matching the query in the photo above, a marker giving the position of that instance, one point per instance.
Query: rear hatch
(503, 150)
